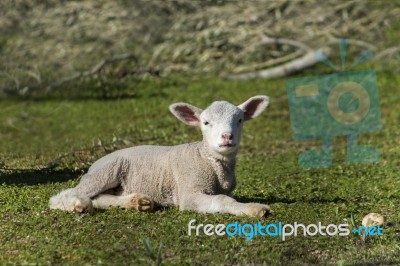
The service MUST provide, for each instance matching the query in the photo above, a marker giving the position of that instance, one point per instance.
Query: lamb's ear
(187, 113)
(254, 106)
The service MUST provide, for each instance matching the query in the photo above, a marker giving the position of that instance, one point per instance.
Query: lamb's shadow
(36, 177)
(273, 199)
(267, 200)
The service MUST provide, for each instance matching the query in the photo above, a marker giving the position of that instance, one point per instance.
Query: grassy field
(46, 145)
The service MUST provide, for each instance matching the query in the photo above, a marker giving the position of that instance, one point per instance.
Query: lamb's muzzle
(197, 176)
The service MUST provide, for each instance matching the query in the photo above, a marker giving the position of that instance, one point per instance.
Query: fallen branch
(387, 52)
(269, 63)
(268, 40)
(95, 70)
(309, 59)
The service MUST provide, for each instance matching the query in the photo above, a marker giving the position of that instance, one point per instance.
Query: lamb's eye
(205, 123)
(240, 121)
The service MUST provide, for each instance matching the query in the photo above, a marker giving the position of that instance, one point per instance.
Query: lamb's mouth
(227, 145)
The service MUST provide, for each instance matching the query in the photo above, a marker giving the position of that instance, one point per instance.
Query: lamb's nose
(227, 136)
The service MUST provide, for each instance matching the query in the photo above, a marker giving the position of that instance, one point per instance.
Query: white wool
(196, 176)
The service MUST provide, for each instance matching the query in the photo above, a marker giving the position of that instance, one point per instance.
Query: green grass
(85, 126)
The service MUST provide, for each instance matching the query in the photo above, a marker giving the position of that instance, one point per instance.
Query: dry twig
(309, 59)
(387, 52)
(94, 71)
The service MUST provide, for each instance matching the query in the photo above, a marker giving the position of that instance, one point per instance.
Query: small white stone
(373, 219)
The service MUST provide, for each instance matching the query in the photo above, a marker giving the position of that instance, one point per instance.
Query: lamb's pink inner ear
(254, 106)
(187, 115)
(251, 108)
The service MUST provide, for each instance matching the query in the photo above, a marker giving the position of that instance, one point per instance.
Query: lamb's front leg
(222, 204)
(137, 201)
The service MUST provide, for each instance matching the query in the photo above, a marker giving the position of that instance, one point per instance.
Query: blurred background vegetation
(51, 47)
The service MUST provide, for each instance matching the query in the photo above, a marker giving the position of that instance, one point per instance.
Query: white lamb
(197, 176)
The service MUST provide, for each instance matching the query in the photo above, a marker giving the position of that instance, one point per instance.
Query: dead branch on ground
(94, 71)
(309, 59)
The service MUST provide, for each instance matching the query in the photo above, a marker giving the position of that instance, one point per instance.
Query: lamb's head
(221, 123)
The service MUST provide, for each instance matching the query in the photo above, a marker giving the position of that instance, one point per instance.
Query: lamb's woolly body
(164, 173)
(197, 176)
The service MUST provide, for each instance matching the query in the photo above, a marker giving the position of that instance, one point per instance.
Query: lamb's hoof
(258, 210)
(83, 206)
(141, 202)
